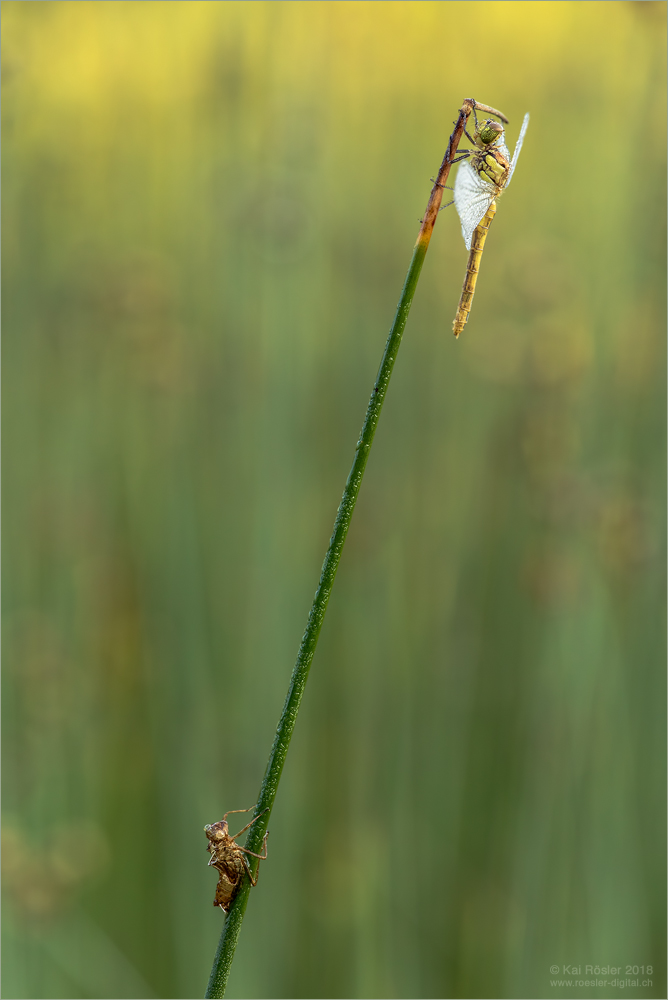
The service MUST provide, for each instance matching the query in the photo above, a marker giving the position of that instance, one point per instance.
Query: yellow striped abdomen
(472, 268)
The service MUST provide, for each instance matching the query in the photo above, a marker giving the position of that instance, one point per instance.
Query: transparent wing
(473, 196)
(518, 147)
(501, 146)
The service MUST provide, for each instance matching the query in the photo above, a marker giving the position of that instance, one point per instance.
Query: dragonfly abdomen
(472, 268)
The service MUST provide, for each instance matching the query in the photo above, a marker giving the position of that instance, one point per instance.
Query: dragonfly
(484, 174)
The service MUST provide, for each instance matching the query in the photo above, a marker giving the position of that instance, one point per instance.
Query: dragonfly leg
(249, 873)
(230, 811)
(446, 206)
(472, 141)
(462, 157)
(262, 857)
(433, 181)
(247, 824)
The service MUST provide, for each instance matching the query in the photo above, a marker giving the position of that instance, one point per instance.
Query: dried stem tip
(485, 107)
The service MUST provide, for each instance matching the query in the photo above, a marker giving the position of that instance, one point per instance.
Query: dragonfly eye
(489, 132)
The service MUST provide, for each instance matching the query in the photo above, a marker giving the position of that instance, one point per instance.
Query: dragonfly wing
(518, 147)
(473, 196)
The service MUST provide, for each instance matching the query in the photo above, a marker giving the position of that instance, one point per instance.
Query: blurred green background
(209, 209)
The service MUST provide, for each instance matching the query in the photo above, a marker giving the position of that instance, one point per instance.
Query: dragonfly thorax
(491, 166)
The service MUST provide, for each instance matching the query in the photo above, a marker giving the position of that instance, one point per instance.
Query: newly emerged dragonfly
(481, 178)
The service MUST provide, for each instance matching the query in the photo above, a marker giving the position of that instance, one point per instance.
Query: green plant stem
(230, 933)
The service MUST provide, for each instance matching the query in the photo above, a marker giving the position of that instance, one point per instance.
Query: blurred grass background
(209, 209)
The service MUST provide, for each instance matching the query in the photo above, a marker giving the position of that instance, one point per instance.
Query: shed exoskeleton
(227, 857)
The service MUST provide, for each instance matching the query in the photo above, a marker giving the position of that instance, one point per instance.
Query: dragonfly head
(216, 831)
(488, 132)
